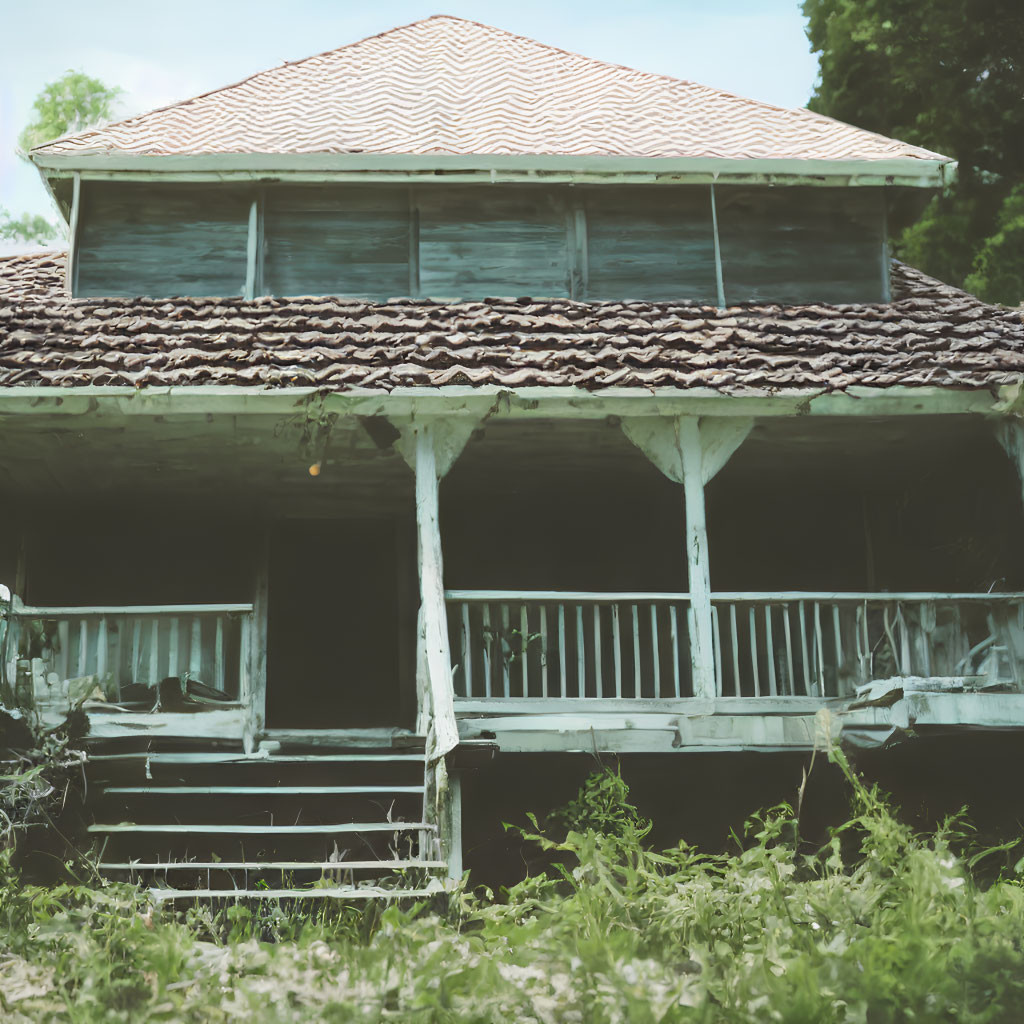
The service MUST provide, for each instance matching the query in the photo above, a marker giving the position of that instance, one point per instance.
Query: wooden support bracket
(691, 451)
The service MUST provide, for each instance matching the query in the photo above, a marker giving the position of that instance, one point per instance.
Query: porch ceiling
(260, 461)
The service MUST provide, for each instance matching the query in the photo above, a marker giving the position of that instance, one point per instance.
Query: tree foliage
(949, 76)
(72, 103)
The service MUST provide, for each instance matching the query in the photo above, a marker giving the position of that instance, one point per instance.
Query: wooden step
(269, 830)
(189, 757)
(333, 893)
(263, 790)
(274, 865)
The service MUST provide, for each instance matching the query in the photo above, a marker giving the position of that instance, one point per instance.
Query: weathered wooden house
(447, 397)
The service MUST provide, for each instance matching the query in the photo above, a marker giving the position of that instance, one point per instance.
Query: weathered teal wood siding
(650, 244)
(784, 245)
(336, 241)
(139, 240)
(489, 241)
(801, 245)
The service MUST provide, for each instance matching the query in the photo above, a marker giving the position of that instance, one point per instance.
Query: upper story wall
(730, 245)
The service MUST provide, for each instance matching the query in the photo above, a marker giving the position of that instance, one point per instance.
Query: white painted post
(698, 564)
(434, 637)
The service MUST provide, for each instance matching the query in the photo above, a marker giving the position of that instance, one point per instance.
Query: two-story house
(449, 396)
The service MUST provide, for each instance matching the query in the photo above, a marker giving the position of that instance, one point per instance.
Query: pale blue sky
(159, 53)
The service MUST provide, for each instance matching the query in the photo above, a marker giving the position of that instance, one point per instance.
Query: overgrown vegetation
(880, 925)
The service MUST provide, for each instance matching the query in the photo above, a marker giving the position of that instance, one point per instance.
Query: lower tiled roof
(930, 334)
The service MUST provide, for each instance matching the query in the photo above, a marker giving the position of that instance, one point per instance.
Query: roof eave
(902, 171)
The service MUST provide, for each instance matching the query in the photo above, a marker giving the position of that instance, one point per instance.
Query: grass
(881, 924)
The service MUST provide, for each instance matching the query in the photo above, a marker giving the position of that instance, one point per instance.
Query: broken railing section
(133, 657)
(553, 644)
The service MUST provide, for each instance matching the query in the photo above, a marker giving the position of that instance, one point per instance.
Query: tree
(947, 75)
(72, 103)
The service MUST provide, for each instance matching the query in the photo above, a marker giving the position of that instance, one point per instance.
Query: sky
(161, 53)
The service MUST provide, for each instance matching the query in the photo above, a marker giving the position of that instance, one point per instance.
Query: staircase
(204, 824)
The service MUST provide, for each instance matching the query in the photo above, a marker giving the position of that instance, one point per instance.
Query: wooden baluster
(753, 651)
(467, 653)
(488, 640)
(819, 684)
(804, 651)
(637, 672)
(63, 640)
(524, 645)
(617, 649)
(543, 650)
(734, 636)
(789, 683)
(101, 648)
(869, 664)
(673, 619)
(83, 648)
(655, 651)
(195, 649)
(901, 625)
(506, 680)
(581, 655)
(561, 651)
(840, 661)
(136, 666)
(773, 682)
(716, 634)
(598, 682)
(154, 651)
(172, 648)
(927, 613)
(219, 668)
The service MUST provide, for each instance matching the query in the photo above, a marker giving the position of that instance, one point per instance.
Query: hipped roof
(449, 87)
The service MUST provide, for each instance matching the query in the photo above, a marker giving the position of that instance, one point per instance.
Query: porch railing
(554, 644)
(121, 654)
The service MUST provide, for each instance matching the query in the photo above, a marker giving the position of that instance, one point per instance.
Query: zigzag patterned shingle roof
(449, 86)
(931, 334)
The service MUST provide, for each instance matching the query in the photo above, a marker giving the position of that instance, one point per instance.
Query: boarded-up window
(339, 240)
(492, 241)
(650, 243)
(800, 245)
(140, 240)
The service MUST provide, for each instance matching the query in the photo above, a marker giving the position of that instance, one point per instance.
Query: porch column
(430, 445)
(690, 451)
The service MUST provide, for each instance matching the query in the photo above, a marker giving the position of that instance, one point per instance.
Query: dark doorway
(333, 626)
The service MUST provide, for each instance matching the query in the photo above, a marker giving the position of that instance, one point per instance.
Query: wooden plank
(444, 734)
(477, 243)
(581, 655)
(699, 571)
(220, 668)
(467, 652)
(148, 240)
(195, 648)
(598, 652)
(655, 652)
(352, 242)
(265, 830)
(261, 790)
(800, 245)
(562, 669)
(270, 865)
(144, 610)
(752, 633)
(252, 246)
(318, 893)
(154, 653)
(488, 642)
(773, 684)
(789, 683)
(74, 231)
(543, 612)
(214, 757)
(820, 680)
(808, 685)
(637, 686)
(719, 274)
(673, 618)
(734, 635)
(82, 667)
(741, 596)
(506, 675)
(524, 645)
(617, 650)
(644, 245)
(173, 646)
